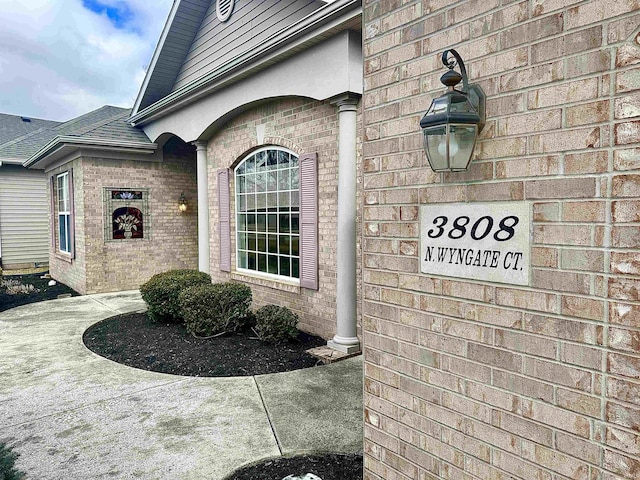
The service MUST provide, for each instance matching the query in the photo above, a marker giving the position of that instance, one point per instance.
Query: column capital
(347, 102)
(200, 144)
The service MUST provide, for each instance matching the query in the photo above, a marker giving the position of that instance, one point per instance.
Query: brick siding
(303, 126)
(473, 380)
(171, 237)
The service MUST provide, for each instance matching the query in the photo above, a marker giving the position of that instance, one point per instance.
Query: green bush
(275, 324)
(7, 459)
(162, 290)
(212, 309)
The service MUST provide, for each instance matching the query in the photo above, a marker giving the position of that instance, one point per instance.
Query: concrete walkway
(71, 414)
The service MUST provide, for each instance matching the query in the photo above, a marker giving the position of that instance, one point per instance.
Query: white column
(346, 339)
(203, 207)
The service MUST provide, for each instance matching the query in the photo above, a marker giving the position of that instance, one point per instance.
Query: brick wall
(475, 380)
(171, 236)
(303, 126)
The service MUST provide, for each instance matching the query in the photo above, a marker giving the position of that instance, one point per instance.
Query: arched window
(268, 213)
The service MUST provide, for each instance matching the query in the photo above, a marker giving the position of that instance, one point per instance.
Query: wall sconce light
(182, 203)
(454, 120)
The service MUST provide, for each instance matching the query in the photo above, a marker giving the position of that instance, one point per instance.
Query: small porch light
(182, 203)
(454, 120)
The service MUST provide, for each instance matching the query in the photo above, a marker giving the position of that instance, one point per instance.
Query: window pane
(242, 259)
(242, 203)
(240, 184)
(283, 158)
(250, 164)
(272, 266)
(295, 200)
(251, 222)
(241, 168)
(68, 228)
(285, 268)
(284, 224)
(272, 160)
(295, 223)
(295, 269)
(62, 231)
(261, 199)
(262, 222)
(251, 238)
(242, 241)
(242, 223)
(273, 224)
(295, 185)
(251, 203)
(261, 161)
(262, 263)
(272, 181)
(295, 241)
(252, 260)
(250, 183)
(272, 202)
(285, 245)
(283, 180)
(273, 243)
(261, 182)
(283, 201)
(262, 243)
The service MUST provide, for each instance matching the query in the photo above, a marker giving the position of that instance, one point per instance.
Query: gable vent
(224, 9)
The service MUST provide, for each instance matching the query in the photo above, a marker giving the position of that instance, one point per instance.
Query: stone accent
(473, 380)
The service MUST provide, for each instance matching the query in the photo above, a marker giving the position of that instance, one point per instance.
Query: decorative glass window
(268, 213)
(126, 214)
(64, 213)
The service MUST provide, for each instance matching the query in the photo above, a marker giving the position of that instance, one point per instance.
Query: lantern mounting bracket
(474, 92)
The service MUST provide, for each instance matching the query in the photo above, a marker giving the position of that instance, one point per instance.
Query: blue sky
(62, 58)
(119, 13)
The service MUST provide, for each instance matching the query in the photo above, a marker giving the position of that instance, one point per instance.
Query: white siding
(24, 210)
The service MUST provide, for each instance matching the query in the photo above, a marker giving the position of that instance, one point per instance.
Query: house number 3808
(478, 231)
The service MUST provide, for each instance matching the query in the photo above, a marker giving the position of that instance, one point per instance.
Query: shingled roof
(15, 126)
(105, 123)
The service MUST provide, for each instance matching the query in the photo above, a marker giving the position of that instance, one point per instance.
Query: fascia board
(156, 54)
(59, 144)
(309, 27)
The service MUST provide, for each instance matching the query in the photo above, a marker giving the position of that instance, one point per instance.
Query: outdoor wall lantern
(182, 203)
(454, 120)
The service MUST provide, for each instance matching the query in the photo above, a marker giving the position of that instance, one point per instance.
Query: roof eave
(323, 17)
(60, 143)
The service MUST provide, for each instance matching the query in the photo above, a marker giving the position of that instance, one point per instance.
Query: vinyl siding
(24, 206)
(252, 23)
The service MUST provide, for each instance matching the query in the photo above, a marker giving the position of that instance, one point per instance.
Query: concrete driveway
(71, 414)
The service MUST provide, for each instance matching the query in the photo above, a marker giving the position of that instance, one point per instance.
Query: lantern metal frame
(458, 109)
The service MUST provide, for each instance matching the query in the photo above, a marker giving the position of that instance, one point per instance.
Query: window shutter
(52, 208)
(309, 221)
(72, 216)
(224, 220)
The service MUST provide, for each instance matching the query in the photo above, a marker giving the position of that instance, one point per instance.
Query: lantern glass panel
(435, 142)
(462, 139)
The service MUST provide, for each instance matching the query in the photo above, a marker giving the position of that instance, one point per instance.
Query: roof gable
(185, 54)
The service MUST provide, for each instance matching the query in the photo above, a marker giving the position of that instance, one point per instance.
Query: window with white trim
(267, 198)
(64, 213)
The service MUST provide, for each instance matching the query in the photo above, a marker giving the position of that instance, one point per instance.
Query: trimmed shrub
(7, 459)
(275, 324)
(162, 290)
(213, 309)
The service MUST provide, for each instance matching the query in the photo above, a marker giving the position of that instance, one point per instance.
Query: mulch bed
(134, 340)
(41, 293)
(327, 467)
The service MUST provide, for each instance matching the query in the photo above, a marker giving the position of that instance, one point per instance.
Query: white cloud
(59, 59)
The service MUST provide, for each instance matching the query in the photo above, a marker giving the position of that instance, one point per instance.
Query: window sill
(65, 257)
(266, 282)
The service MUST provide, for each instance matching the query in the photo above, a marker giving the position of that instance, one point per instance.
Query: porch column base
(345, 345)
